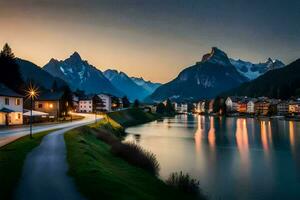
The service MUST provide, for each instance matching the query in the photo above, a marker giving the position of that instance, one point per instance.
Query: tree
(54, 86)
(160, 109)
(67, 100)
(217, 105)
(206, 106)
(10, 73)
(136, 104)
(125, 102)
(169, 107)
(115, 102)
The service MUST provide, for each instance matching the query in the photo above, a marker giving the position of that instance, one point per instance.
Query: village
(243, 106)
(51, 106)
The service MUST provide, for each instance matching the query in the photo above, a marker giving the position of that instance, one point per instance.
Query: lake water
(234, 158)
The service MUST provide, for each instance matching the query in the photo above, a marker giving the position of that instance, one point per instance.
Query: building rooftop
(5, 91)
(50, 96)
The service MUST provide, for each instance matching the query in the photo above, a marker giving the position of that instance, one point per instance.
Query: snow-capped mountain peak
(252, 70)
(79, 74)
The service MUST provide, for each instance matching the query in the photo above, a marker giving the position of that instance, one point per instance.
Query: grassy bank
(132, 117)
(12, 157)
(101, 175)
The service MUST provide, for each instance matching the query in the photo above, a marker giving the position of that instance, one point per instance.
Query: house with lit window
(294, 107)
(283, 108)
(51, 103)
(11, 107)
(200, 107)
(232, 104)
(262, 107)
(242, 105)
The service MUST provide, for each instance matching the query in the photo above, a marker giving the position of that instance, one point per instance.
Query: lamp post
(32, 94)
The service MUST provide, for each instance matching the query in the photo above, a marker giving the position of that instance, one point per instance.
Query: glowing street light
(32, 93)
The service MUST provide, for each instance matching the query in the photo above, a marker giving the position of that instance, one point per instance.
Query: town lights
(32, 93)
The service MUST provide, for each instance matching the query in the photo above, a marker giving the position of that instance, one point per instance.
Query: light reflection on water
(234, 158)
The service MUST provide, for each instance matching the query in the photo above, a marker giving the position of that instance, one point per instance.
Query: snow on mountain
(79, 74)
(206, 79)
(252, 71)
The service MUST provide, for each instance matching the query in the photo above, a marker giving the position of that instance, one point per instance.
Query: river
(233, 158)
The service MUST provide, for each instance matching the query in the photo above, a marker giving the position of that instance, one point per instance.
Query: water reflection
(211, 133)
(292, 135)
(243, 144)
(234, 158)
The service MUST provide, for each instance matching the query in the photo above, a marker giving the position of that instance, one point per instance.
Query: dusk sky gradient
(155, 39)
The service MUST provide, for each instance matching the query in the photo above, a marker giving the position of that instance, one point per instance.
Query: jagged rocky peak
(53, 61)
(216, 56)
(75, 56)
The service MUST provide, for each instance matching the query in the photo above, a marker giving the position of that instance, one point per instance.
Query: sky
(154, 39)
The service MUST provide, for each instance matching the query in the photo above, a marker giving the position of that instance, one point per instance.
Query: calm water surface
(234, 158)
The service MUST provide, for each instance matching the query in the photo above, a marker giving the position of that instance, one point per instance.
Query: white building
(11, 107)
(85, 105)
(251, 106)
(107, 101)
(232, 104)
(181, 108)
(200, 107)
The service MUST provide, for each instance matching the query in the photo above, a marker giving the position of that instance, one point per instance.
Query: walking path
(11, 134)
(44, 173)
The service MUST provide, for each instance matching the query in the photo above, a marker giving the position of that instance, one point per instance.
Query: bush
(105, 136)
(184, 182)
(137, 156)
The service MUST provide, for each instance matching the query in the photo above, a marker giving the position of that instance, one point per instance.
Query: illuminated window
(18, 102)
(50, 105)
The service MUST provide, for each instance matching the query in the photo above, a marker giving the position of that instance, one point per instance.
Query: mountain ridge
(79, 74)
(207, 78)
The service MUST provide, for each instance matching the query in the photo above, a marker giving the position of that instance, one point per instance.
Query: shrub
(184, 182)
(137, 156)
(105, 136)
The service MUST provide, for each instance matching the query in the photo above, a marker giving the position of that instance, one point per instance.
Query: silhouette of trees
(10, 73)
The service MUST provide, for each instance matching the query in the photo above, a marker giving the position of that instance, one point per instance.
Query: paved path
(7, 136)
(44, 173)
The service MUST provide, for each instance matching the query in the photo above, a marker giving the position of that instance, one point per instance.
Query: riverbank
(12, 157)
(132, 117)
(98, 173)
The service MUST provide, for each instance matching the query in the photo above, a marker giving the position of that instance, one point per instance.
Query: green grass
(132, 117)
(12, 157)
(101, 175)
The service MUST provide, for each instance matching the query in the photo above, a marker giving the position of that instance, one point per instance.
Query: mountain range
(79, 74)
(121, 81)
(278, 83)
(216, 73)
(252, 70)
(206, 79)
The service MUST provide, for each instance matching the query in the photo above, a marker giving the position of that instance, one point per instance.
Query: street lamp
(32, 93)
